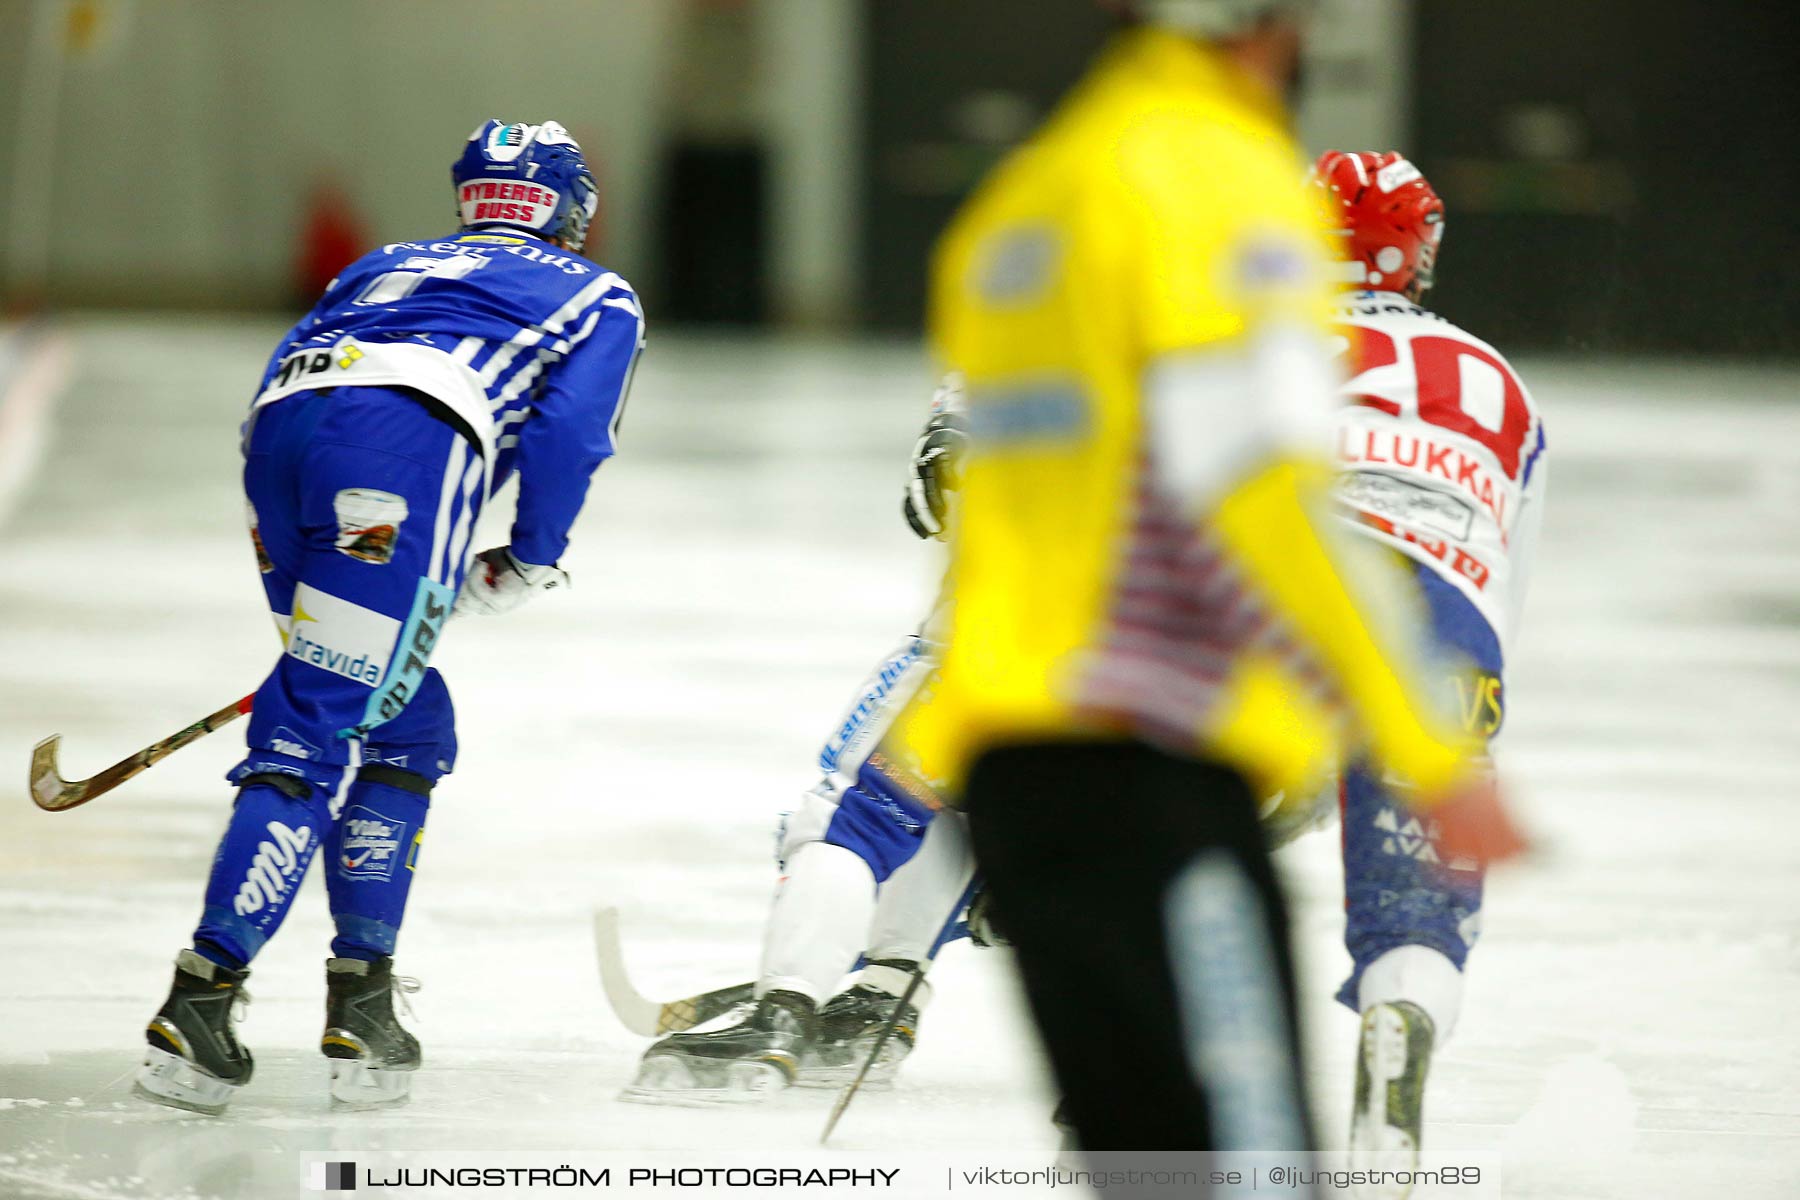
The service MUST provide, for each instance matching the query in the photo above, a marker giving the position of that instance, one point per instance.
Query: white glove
(497, 582)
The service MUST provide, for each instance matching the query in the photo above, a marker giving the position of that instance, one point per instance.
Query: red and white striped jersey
(1441, 451)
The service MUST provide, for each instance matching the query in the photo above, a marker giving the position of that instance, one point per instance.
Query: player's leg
(913, 914)
(1411, 918)
(837, 849)
(194, 1059)
(848, 835)
(344, 588)
(1138, 897)
(371, 859)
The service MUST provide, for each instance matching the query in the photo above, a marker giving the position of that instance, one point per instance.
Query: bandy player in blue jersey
(428, 374)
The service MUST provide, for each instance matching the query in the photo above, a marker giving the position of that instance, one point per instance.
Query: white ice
(1630, 1027)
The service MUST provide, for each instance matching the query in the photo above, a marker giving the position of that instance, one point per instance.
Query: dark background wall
(1619, 176)
(950, 85)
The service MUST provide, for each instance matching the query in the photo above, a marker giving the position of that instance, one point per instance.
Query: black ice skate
(372, 1057)
(741, 1056)
(194, 1060)
(850, 1023)
(1393, 1057)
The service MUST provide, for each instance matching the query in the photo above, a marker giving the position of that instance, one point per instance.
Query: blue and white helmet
(525, 177)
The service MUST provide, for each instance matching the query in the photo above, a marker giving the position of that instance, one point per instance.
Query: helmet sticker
(507, 142)
(513, 201)
(1396, 175)
(552, 134)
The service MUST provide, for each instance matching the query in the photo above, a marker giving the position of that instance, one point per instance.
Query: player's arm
(573, 428)
(1239, 391)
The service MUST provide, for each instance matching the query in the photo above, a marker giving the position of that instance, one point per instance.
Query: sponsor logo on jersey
(1458, 559)
(339, 636)
(371, 844)
(1480, 702)
(1405, 838)
(274, 869)
(1407, 503)
(318, 361)
(368, 523)
(285, 741)
(263, 562)
(867, 707)
(1018, 265)
(412, 656)
(1385, 447)
(1048, 412)
(889, 781)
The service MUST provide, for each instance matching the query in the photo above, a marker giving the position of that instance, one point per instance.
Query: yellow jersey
(1159, 212)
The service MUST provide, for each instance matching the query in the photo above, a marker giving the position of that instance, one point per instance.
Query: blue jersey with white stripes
(552, 336)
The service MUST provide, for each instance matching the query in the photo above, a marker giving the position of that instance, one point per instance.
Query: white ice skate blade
(172, 1080)
(356, 1085)
(841, 1075)
(880, 1078)
(671, 1080)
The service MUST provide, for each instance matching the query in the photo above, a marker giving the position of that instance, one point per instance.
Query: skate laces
(404, 986)
(240, 1005)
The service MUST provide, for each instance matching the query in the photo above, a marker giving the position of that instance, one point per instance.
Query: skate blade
(171, 1080)
(355, 1085)
(816, 1074)
(680, 1082)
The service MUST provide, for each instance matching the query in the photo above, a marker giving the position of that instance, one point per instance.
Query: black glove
(936, 466)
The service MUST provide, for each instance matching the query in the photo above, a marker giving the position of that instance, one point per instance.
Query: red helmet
(1392, 220)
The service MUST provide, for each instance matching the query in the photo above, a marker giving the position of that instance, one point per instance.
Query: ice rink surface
(1630, 1024)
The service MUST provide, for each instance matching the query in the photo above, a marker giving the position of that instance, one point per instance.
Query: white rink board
(1629, 1029)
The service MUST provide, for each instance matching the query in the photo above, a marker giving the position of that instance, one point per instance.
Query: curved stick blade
(635, 1011)
(48, 788)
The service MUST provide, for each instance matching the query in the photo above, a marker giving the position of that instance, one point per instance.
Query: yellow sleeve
(1233, 250)
(1267, 528)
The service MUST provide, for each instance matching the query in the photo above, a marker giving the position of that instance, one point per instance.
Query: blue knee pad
(879, 822)
(373, 854)
(1397, 892)
(268, 844)
(422, 739)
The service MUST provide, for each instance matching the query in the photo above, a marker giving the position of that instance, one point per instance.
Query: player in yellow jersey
(1152, 626)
